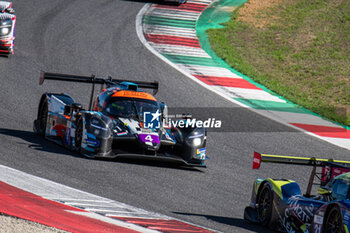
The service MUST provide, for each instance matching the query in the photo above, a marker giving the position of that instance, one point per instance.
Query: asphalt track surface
(99, 37)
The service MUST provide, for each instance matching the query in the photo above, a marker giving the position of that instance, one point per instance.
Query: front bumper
(159, 156)
(6, 46)
(130, 147)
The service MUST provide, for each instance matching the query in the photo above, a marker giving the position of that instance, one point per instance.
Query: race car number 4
(148, 138)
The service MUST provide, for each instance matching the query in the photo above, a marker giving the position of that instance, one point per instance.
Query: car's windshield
(340, 189)
(130, 108)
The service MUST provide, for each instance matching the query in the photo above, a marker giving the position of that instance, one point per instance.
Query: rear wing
(258, 158)
(330, 167)
(109, 81)
(94, 80)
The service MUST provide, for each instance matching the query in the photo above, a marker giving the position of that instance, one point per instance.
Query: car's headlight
(5, 31)
(5, 27)
(196, 137)
(197, 142)
(98, 127)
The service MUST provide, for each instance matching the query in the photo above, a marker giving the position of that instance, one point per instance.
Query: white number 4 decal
(149, 138)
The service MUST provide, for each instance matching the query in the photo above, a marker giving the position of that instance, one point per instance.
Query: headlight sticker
(122, 133)
(91, 142)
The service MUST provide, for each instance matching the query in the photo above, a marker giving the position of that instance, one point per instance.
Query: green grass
(302, 53)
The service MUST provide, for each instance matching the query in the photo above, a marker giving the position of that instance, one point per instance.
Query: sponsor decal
(122, 133)
(328, 173)
(300, 212)
(256, 161)
(201, 153)
(201, 150)
(303, 213)
(149, 138)
(152, 120)
(318, 219)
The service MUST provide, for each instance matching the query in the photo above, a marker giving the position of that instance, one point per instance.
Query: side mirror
(67, 109)
(10, 10)
(77, 106)
(73, 107)
(323, 191)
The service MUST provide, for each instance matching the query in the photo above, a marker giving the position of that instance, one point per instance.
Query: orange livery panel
(134, 94)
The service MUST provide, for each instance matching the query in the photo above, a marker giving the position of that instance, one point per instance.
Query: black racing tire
(333, 222)
(264, 204)
(42, 118)
(79, 135)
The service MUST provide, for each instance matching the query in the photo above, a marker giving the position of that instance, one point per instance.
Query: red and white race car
(7, 27)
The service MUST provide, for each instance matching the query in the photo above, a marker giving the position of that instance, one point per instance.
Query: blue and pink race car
(121, 121)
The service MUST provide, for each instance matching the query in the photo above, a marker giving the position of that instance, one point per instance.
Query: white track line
(208, 71)
(252, 94)
(180, 50)
(174, 14)
(173, 31)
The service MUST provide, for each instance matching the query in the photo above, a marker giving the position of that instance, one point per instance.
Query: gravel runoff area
(11, 224)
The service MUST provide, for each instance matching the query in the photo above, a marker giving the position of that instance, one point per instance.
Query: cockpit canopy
(340, 187)
(130, 107)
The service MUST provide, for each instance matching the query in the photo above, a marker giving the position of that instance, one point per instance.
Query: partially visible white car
(7, 27)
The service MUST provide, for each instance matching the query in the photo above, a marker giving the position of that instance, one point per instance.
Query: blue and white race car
(7, 28)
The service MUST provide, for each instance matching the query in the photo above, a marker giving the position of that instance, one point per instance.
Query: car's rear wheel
(333, 221)
(264, 204)
(42, 118)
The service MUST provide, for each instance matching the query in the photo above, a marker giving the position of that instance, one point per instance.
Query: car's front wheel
(42, 118)
(79, 135)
